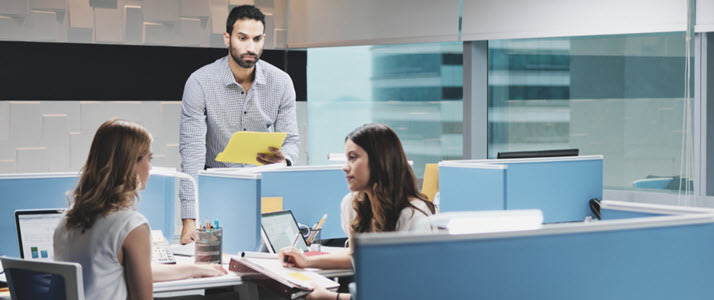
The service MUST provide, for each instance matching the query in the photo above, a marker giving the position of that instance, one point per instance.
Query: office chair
(43, 280)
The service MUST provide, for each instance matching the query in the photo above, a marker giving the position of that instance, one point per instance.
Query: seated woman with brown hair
(384, 197)
(103, 232)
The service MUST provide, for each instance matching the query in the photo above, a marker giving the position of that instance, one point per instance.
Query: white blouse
(96, 250)
(410, 219)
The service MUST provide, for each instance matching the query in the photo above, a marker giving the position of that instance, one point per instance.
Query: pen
(287, 257)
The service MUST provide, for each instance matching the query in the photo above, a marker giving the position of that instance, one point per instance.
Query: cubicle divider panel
(49, 191)
(158, 203)
(561, 189)
(29, 193)
(309, 194)
(610, 214)
(471, 188)
(672, 262)
(235, 202)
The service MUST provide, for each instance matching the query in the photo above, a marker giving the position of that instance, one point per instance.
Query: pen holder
(209, 245)
(314, 239)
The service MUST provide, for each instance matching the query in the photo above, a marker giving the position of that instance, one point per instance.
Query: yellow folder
(271, 204)
(244, 146)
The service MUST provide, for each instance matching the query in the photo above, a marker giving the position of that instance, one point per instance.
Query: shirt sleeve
(287, 122)
(192, 142)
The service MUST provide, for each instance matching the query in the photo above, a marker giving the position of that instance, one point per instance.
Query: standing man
(238, 92)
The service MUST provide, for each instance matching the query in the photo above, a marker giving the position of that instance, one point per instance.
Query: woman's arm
(183, 271)
(339, 260)
(136, 258)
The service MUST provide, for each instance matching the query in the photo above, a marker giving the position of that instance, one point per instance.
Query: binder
(266, 270)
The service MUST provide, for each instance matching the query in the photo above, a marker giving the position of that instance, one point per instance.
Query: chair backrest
(35, 279)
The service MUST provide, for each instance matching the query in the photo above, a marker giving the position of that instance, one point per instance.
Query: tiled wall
(194, 23)
(54, 136)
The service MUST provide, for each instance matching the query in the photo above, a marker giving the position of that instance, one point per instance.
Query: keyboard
(161, 252)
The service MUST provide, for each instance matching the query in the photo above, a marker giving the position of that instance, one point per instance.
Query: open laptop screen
(279, 229)
(35, 232)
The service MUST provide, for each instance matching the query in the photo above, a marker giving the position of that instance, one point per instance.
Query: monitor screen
(35, 231)
(538, 153)
(280, 229)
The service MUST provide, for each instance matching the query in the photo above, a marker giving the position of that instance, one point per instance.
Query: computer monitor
(35, 232)
(538, 153)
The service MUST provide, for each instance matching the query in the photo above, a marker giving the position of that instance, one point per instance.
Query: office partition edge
(230, 175)
(39, 175)
(653, 208)
(525, 160)
(308, 168)
(452, 164)
(393, 238)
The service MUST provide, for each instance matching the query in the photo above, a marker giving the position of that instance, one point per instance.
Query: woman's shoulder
(421, 205)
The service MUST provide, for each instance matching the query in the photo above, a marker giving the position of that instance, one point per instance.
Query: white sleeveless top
(410, 219)
(96, 250)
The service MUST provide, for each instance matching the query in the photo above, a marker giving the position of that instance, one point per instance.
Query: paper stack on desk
(244, 146)
(267, 271)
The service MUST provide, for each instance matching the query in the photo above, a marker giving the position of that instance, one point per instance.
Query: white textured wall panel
(160, 10)
(32, 160)
(94, 113)
(79, 148)
(150, 117)
(4, 121)
(25, 123)
(81, 14)
(44, 26)
(156, 33)
(15, 7)
(219, 15)
(108, 25)
(327, 23)
(189, 32)
(170, 120)
(69, 108)
(173, 157)
(55, 132)
(49, 4)
(194, 8)
(513, 19)
(8, 166)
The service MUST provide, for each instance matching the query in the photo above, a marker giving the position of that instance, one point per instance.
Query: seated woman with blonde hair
(384, 198)
(103, 232)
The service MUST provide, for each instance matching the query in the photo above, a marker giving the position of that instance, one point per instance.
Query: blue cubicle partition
(309, 192)
(49, 190)
(667, 257)
(233, 198)
(560, 187)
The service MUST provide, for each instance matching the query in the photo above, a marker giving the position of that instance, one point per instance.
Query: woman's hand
(295, 258)
(319, 293)
(207, 270)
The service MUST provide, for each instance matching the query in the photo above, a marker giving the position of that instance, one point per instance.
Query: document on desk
(268, 271)
(244, 146)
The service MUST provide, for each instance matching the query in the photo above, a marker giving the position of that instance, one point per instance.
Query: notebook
(35, 232)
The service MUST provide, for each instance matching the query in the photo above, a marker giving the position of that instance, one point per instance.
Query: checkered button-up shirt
(214, 106)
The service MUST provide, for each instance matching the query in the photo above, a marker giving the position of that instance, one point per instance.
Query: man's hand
(188, 233)
(276, 157)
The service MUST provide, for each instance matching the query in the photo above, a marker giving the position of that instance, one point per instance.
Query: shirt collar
(227, 74)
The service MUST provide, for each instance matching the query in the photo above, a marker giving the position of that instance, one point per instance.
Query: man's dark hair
(244, 12)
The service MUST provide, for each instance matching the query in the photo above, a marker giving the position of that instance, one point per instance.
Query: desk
(230, 279)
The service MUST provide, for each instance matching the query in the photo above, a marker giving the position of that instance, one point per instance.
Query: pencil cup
(209, 245)
(316, 235)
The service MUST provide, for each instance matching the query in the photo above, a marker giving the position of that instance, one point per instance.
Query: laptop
(35, 232)
(279, 229)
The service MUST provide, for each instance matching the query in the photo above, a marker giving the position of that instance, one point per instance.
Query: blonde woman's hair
(108, 182)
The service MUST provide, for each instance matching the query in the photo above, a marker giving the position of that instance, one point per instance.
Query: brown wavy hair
(108, 181)
(391, 180)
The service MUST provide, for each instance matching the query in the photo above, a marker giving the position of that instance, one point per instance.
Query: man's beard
(244, 63)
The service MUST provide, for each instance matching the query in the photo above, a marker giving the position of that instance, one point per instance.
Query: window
(619, 96)
(415, 89)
